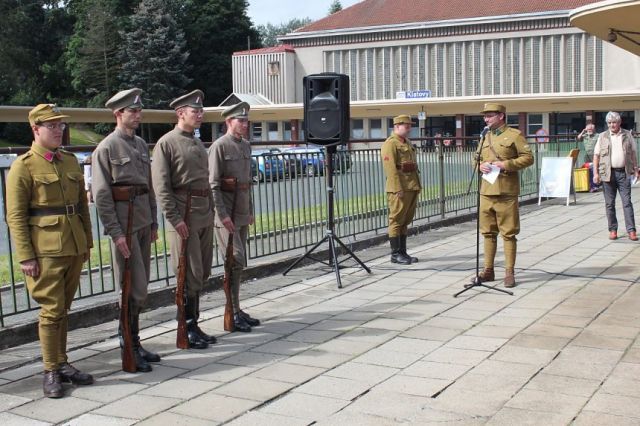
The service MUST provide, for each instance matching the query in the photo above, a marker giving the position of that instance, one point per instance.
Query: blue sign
(418, 94)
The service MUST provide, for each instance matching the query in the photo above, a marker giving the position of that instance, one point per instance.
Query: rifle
(182, 339)
(128, 358)
(228, 270)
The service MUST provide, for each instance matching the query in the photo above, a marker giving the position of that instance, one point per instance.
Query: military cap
(193, 99)
(45, 112)
(240, 110)
(402, 119)
(493, 107)
(125, 99)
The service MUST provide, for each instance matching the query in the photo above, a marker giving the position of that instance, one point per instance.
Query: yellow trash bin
(581, 180)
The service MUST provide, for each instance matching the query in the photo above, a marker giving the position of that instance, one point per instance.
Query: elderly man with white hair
(614, 162)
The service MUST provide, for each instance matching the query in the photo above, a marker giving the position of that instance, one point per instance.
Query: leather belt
(193, 192)
(126, 192)
(619, 169)
(229, 184)
(68, 210)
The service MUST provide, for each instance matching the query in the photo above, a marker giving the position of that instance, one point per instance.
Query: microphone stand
(477, 281)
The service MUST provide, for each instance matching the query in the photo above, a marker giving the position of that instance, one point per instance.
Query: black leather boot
(403, 248)
(135, 334)
(240, 324)
(141, 364)
(194, 338)
(396, 254)
(52, 384)
(204, 336)
(253, 322)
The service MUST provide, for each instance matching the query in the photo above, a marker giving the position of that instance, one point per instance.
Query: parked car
(293, 166)
(266, 166)
(313, 161)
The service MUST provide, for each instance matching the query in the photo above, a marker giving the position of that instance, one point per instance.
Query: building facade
(445, 59)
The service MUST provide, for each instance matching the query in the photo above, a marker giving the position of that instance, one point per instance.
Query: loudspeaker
(326, 108)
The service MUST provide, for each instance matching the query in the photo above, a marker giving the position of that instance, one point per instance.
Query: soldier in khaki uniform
(402, 187)
(49, 219)
(121, 170)
(506, 149)
(180, 170)
(230, 179)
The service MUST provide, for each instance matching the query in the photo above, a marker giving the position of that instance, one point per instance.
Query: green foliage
(269, 33)
(154, 54)
(336, 6)
(91, 55)
(215, 29)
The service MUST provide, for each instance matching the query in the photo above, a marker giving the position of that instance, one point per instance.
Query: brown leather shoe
(52, 384)
(509, 278)
(633, 236)
(69, 373)
(487, 274)
(613, 235)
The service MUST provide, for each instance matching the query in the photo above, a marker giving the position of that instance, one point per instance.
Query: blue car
(313, 161)
(266, 166)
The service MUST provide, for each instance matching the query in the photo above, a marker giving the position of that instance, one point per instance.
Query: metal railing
(290, 206)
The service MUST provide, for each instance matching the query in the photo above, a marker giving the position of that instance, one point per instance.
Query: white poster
(555, 177)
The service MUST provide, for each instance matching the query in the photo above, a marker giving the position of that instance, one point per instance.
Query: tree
(154, 54)
(91, 55)
(336, 6)
(269, 33)
(32, 36)
(214, 30)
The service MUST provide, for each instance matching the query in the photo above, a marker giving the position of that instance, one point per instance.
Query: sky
(276, 12)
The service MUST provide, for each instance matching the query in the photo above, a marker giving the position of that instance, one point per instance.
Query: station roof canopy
(614, 21)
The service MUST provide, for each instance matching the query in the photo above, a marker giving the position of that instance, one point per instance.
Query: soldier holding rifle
(181, 178)
(49, 220)
(230, 179)
(121, 186)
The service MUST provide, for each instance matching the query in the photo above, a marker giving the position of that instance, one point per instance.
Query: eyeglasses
(54, 126)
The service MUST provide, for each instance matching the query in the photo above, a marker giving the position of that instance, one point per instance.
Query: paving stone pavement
(391, 347)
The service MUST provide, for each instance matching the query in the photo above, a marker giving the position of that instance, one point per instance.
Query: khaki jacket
(180, 163)
(396, 153)
(231, 157)
(35, 182)
(507, 145)
(122, 160)
(604, 154)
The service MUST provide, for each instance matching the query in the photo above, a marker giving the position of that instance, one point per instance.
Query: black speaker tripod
(477, 281)
(330, 235)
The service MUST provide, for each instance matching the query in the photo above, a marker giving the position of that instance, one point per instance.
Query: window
(272, 131)
(256, 131)
(286, 131)
(375, 128)
(534, 123)
(357, 129)
(273, 68)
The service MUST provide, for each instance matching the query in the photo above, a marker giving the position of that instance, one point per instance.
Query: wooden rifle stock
(228, 271)
(182, 339)
(128, 358)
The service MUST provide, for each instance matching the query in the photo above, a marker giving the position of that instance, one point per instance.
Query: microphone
(484, 131)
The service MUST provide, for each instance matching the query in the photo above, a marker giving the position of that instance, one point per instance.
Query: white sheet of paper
(492, 175)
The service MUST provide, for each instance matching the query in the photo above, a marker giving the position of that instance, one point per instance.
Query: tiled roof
(371, 13)
(275, 49)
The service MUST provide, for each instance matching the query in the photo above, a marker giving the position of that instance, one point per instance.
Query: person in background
(589, 137)
(614, 163)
